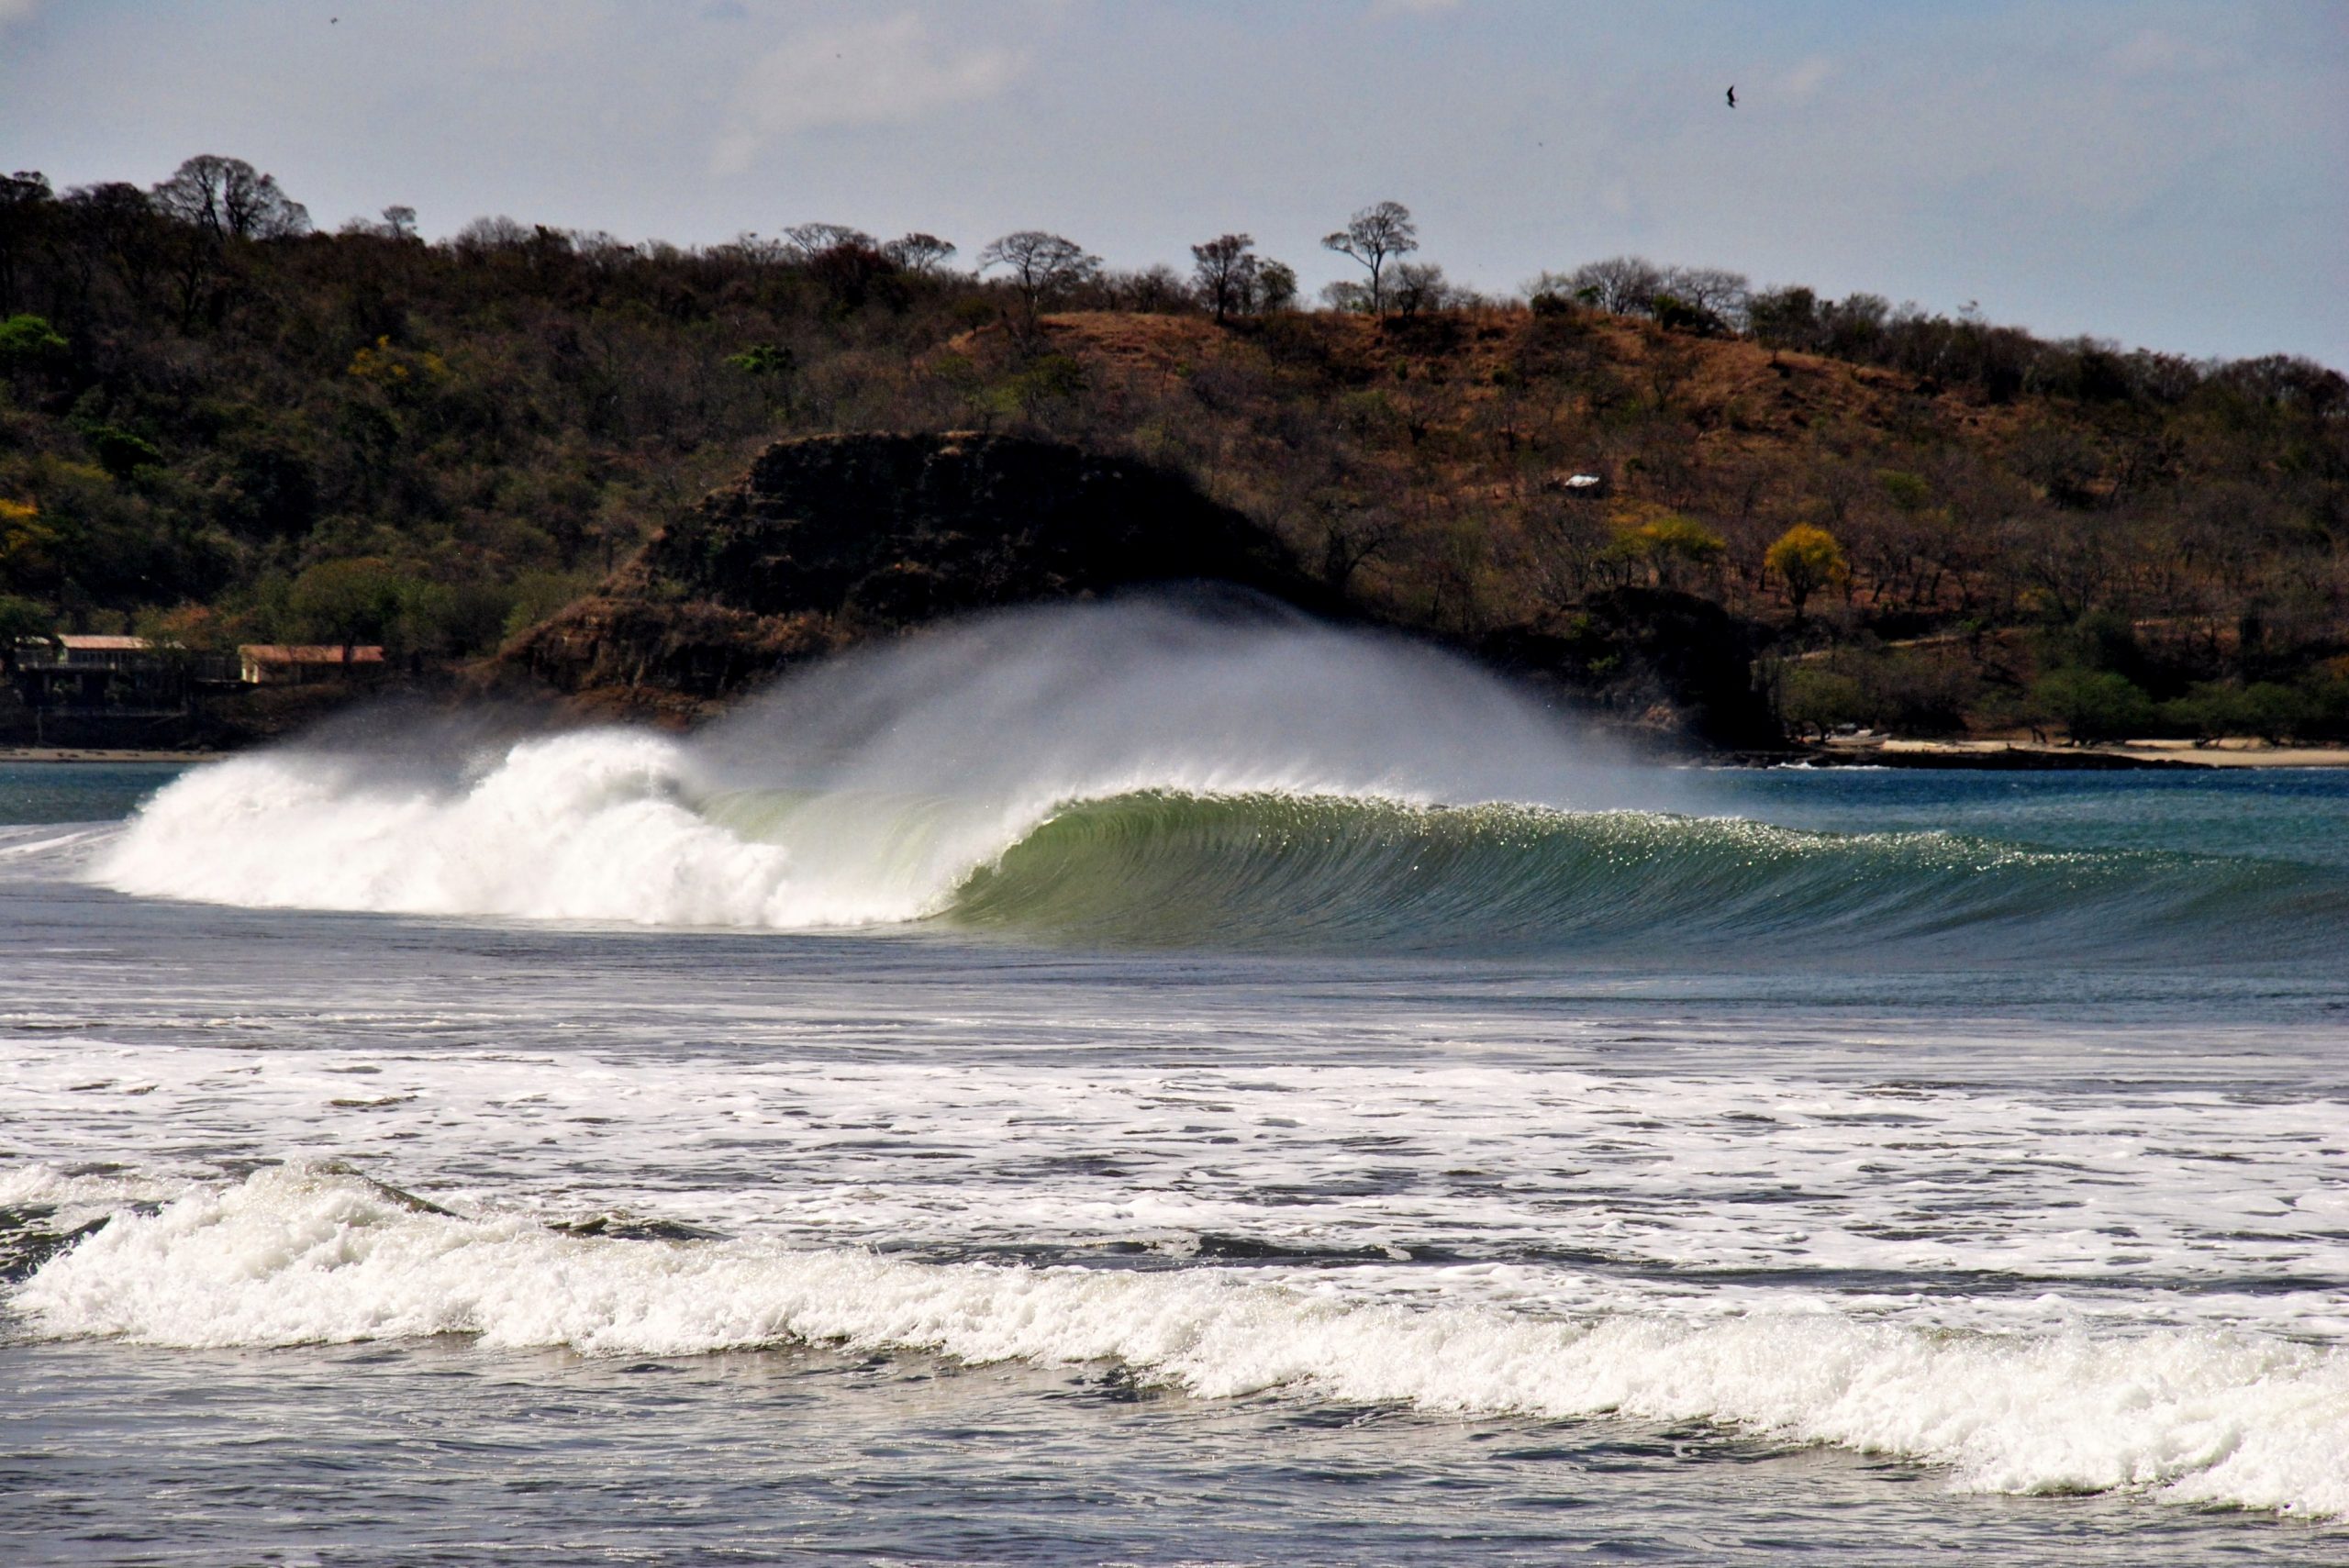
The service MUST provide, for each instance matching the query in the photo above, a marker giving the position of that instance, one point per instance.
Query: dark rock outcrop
(830, 540)
(1650, 656)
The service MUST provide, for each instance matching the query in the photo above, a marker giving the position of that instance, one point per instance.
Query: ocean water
(1151, 1084)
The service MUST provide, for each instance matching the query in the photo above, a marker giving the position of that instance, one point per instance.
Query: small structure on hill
(82, 673)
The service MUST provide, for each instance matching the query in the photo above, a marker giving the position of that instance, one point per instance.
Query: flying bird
(1733, 97)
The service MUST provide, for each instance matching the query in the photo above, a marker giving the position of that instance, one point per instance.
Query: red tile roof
(308, 653)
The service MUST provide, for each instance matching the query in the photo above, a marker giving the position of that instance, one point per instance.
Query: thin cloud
(874, 73)
(15, 11)
(1805, 79)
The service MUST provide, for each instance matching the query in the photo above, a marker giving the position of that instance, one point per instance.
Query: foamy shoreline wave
(295, 1255)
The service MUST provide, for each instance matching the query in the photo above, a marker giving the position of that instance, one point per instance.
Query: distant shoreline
(101, 754)
(1842, 753)
(2231, 752)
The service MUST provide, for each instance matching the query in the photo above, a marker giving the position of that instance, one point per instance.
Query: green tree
(348, 601)
(22, 620)
(2092, 704)
(1817, 698)
(2278, 713)
(1672, 545)
(1908, 492)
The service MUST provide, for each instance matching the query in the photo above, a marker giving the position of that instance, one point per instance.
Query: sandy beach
(2233, 751)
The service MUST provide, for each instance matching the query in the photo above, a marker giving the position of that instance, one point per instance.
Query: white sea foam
(590, 826)
(865, 791)
(1554, 1188)
(295, 1255)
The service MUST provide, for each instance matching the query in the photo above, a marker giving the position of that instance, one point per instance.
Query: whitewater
(1006, 1081)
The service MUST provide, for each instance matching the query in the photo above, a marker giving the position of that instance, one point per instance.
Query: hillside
(1886, 519)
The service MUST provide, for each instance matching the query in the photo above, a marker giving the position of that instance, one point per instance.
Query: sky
(2170, 174)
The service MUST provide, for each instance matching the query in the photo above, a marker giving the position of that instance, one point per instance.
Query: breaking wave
(294, 1255)
(1151, 775)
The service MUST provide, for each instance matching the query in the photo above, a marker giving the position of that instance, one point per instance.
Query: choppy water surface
(1108, 1088)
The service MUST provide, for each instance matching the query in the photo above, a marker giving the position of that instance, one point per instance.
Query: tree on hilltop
(230, 199)
(810, 240)
(1227, 268)
(1374, 236)
(1042, 266)
(24, 196)
(1623, 285)
(918, 252)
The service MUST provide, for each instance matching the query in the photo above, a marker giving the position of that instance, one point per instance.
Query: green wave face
(1159, 869)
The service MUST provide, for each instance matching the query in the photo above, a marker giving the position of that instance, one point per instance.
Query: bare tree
(484, 236)
(1156, 289)
(919, 252)
(808, 241)
(1352, 538)
(1626, 285)
(1715, 291)
(230, 199)
(1042, 266)
(1227, 269)
(758, 249)
(1374, 236)
(397, 223)
(1419, 288)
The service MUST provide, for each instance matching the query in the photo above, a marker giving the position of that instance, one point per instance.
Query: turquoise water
(78, 792)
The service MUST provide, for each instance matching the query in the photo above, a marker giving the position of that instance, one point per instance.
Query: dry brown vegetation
(223, 436)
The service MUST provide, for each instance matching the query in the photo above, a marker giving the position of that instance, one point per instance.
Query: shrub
(2092, 704)
(28, 342)
(1818, 698)
(120, 453)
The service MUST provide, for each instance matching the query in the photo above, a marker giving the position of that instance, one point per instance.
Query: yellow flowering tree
(1807, 559)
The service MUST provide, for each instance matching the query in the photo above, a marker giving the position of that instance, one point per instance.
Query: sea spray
(867, 789)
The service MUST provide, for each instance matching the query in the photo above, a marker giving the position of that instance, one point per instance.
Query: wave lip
(1170, 868)
(297, 1255)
